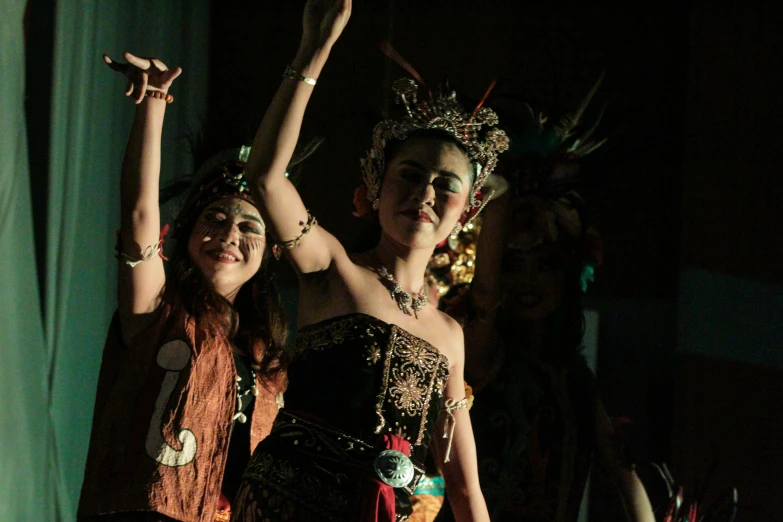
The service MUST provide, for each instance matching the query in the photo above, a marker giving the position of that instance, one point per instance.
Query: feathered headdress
(542, 170)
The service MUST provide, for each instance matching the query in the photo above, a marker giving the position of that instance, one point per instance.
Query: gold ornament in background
(454, 263)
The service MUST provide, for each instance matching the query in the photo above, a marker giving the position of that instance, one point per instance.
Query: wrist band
(291, 73)
(160, 95)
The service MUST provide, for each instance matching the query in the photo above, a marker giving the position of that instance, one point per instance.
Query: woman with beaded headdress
(537, 415)
(386, 367)
(192, 372)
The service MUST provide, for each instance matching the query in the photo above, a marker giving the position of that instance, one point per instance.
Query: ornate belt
(390, 466)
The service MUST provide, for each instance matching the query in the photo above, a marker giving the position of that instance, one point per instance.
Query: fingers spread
(129, 88)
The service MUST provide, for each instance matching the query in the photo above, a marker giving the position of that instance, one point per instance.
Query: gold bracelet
(291, 73)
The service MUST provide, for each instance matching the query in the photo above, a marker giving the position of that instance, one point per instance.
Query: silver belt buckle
(394, 468)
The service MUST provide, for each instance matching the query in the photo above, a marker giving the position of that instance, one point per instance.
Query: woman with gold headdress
(376, 376)
(191, 376)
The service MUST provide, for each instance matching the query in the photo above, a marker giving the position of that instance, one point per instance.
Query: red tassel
(163, 232)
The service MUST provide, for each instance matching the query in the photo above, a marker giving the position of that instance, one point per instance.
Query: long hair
(255, 322)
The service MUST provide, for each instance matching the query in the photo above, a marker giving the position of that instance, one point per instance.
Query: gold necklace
(403, 299)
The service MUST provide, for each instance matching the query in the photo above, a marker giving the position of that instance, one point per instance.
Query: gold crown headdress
(439, 112)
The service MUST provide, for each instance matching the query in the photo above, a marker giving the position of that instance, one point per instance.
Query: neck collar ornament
(475, 129)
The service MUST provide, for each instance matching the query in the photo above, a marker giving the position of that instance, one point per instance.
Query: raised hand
(144, 74)
(324, 21)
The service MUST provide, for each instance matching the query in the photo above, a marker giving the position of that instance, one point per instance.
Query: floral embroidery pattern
(413, 371)
(407, 391)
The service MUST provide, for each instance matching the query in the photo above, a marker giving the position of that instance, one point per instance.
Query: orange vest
(162, 421)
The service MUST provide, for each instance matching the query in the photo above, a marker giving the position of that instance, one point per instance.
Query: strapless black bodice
(365, 377)
(354, 382)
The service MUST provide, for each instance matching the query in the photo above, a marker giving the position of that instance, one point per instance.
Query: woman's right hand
(323, 22)
(143, 74)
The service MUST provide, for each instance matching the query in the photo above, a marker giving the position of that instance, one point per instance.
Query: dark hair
(255, 322)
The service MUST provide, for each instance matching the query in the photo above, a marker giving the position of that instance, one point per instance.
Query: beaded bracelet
(160, 95)
(291, 73)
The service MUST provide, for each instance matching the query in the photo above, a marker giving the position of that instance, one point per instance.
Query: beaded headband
(221, 176)
(440, 112)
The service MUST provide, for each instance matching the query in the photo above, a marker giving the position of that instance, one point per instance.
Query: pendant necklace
(403, 299)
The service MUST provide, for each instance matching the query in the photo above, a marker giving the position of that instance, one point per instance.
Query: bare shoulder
(453, 345)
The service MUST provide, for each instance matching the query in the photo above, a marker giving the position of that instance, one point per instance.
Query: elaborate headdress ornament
(221, 176)
(471, 128)
(546, 139)
(547, 209)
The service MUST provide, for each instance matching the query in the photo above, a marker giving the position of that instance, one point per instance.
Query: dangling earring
(457, 229)
(376, 203)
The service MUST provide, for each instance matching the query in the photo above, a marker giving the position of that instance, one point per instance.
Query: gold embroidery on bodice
(413, 370)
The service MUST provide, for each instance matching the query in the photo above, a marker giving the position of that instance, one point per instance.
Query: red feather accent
(486, 94)
(388, 49)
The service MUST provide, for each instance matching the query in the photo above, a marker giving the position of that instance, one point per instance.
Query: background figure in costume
(377, 373)
(192, 370)
(537, 415)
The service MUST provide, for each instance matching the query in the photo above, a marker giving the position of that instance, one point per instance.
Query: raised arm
(276, 139)
(460, 472)
(485, 289)
(141, 275)
(610, 460)
(485, 292)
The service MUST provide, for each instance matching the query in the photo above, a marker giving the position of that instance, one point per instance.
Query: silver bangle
(291, 73)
